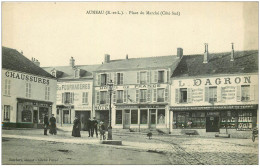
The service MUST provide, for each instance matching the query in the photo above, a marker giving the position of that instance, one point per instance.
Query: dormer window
(53, 72)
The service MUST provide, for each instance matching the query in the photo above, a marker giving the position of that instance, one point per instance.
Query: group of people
(50, 123)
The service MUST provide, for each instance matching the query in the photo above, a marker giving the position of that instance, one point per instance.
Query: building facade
(217, 96)
(74, 93)
(28, 92)
(141, 91)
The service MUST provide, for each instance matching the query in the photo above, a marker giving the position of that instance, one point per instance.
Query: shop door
(127, 119)
(83, 116)
(212, 124)
(35, 116)
(152, 119)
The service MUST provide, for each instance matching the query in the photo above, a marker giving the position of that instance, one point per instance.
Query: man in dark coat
(45, 123)
(95, 124)
(53, 125)
(76, 127)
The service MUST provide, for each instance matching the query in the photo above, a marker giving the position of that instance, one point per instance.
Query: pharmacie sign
(217, 81)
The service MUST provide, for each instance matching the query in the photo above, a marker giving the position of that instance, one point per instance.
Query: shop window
(28, 92)
(160, 76)
(245, 93)
(119, 96)
(7, 87)
(228, 119)
(161, 116)
(103, 96)
(42, 112)
(212, 94)
(119, 78)
(103, 79)
(183, 95)
(6, 113)
(143, 94)
(68, 98)
(244, 121)
(134, 116)
(190, 120)
(143, 78)
(160, 95)
(26, 116)
(47, 92)
(85, 98)
(118, 116)
(143, 117)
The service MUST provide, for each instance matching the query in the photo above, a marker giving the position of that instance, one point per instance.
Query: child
(102, 131)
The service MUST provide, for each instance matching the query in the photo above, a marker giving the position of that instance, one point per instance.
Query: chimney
(35, 61)
(179, 52)
(107, 58)
(206, 54)
(126, 57)
(72, 62)
(232, 52)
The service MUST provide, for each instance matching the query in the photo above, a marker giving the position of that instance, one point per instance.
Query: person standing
(45, 124)
(53, 125)
(89, 127)
(76, 127)
(95, 124)
(102, 130)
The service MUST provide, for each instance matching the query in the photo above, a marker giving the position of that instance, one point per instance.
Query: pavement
(182, 149)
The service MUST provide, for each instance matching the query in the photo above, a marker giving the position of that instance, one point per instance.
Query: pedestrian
(76, 127)
(189, 123)
(45, 123)
(95, 124)
(102, 130)
(53, 125)
(89, 127)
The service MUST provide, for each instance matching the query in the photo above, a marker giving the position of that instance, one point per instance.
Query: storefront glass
(134, 116)
(118, 116)
(143, 118)
(161, 116)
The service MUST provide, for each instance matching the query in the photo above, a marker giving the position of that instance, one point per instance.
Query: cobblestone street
(163, 149)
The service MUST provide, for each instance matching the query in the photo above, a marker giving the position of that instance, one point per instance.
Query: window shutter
(155, 76)
(125, 96)
(63, 98)
(206, 94)
(165, 77)
(149, 95)
(148, 76)
(6, 81)
(238, 93)
(98, 97)
(166, 93)
(114, 96)
(189, 95)
(121, 78)
(115, 76)
(9, 87)
(71, 97)
(219, 89)
(177, 99)
(108, 78)
(137, 95)
(99, 80)
(86, 94)
(252, 92)
(30, 90)
(138, 77)
(155, 95)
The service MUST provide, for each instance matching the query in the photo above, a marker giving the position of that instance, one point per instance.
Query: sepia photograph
(130, 83)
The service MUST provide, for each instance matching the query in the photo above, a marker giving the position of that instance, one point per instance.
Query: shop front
(102, 114)
(237, 120)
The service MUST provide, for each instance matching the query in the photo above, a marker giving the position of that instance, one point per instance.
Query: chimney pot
(232, 52)
(72, 62)
(179, 52)
(126, 56)
(107, 58)
(206, 54)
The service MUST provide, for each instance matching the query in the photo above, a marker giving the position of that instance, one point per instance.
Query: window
(160, 76)
(119, 96)
(28, 92)
(228, 119)
(245, 93)
(134, 116)
(68, 98)
(85, 98)
(197, 119)
(119, 78)
(212, 94)
(244, 120)
(143, 95)
(47, 93)
(103, 79)
(143, 117)
(142, 77)
(103, 96)
(183, 95)
(160, 95)
(7, 87)
(53, 73)
(161, 116)
(26, 115)
(118, 116)
(6, 113)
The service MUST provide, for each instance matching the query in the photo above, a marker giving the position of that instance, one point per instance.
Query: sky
(53, 32)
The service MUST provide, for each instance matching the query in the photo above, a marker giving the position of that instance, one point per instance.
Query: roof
(140, 63)
(14, 60)
(219, 63)
(67, 72)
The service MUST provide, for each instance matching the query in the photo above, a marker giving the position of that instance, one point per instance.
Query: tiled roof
(140, 63)
(219, 63)
(13, 60)
(67, 72)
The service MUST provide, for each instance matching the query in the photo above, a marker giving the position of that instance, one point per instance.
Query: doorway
(152, 120)
(83, 116)
(126, 119)
(212, 124)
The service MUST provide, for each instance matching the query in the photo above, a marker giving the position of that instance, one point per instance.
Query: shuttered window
(125, 96)
(7, 87)
(85, 98)
(245, 93)
(137, 96)
(120, 78)
(166, 93)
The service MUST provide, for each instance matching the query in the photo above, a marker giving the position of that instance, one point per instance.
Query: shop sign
(213, 107)
(100, 107)
(74, 86)
(228, 92)
(82, 107)
(212, 114)
(134, 86)
(197, 95)
(139, 106)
